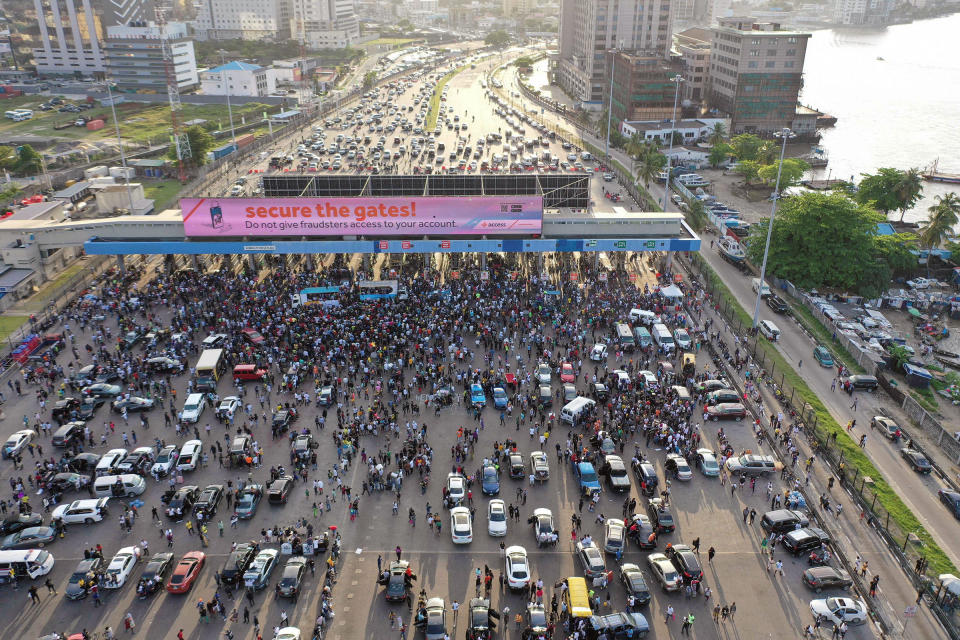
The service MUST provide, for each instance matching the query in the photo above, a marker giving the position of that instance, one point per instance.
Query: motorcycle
(819, 558)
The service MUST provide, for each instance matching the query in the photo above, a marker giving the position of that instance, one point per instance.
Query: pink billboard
(387, 216)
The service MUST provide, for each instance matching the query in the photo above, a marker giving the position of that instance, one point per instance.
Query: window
(792, 40)
(771, 53)
(788, 64)
(770, 64)
(754, 53)
(755, 41)
(752, 64)
(791, 52)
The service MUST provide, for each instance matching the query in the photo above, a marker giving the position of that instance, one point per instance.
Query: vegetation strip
(435, 100)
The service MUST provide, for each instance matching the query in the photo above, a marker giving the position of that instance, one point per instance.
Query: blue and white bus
(326, 296)
(378, 289)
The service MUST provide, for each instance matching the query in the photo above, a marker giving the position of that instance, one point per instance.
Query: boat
(731, 250)
(933, 174)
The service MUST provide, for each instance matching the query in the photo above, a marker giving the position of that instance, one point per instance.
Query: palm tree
(943, 218)
(717, 134)
(651, 163)
(908, 190)
(636, 146)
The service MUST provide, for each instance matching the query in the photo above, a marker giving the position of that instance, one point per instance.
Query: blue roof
(885, 229)
(235, 66)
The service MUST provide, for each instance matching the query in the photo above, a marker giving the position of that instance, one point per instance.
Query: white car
(456, 488)
(496, 518)
(120, 567)
(165, 462)
(678, 465)
(682, 338)
(213, 341)
(229, 406)
(109, 461)
(190, 455)
(461, 529)
(517, 567)
(16, 443)
(193, 407)
(838, 610)
(664, 571)
(540, 465)
(81, 511)
(544, 374)
(288, 633)
(598, 353)
(649, 378)
(921, 283)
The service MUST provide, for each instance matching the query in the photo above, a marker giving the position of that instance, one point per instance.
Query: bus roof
(579, 602)
(209, 358)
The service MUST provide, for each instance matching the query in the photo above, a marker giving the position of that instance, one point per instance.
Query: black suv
(616, 472)
(685, 560)
(238, 561)
(208, 501)
(660, 516)
(63, 410)
(279, 490)
(182, 502)
(777, 304)
(806, 539)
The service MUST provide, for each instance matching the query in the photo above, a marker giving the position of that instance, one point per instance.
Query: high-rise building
(70, 39)
(325, 24)
(643, 88)
(869, 13)
(693, 45)
(125, 12)
(756, 72)
(512, 8)
(135, 61)
(246, 19)
(590, 28)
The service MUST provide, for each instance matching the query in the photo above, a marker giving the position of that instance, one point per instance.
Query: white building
(687, 157)
(862, 12)
(325, 24)
(135, 57)
(238, 79)
(590, 28)
(246, 19)
(659, 130)
(71, 44)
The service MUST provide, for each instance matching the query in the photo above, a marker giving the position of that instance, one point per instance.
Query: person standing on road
(399, 551)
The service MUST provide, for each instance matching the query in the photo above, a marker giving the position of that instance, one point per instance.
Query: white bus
(378, 289)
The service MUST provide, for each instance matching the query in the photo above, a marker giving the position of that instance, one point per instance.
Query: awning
(673, 291)
(950, 582)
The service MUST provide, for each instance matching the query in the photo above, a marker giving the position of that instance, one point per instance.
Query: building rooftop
(663, 125)
(10, 278)
(695, 33)
(235, 65)
(34, 211)
(69, 192)
(146, 162)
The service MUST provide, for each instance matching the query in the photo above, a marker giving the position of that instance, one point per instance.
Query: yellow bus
(576, 598)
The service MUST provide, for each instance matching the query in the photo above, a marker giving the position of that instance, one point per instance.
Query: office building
(135, 57)
(862, 13)
(125, 12)
(693, 47)
(643, 88)
(70, 39)
(244, 19)
(238, 79)
(325, 24)
(756, 72)
(590, 28)
(513, 8)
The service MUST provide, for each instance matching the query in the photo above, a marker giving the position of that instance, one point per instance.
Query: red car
(253, 336)
(186, 572)
(566, 372)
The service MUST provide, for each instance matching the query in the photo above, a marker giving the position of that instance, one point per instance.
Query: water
(902, 111)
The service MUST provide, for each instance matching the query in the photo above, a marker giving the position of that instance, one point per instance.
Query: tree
(943, 218)
(899, 354)
(651, 163)
(880, 189)
(10, 192)
(28, 161)
(8, 157)
(897, 251)
(821, 240)
(749, 169)
(369, 79)
(200, 143)
(792, 174)
(524, 61)
(497, 38)
(719, 153)
(635, 146)
(718, 134)
(908, 190)
(745, 146)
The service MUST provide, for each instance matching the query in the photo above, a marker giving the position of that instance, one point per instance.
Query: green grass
(434, 110)
(391, 41)
(39, 300)
(825, 337)
(827, 428)
(9, 324)
(163, 192)
(926, 398)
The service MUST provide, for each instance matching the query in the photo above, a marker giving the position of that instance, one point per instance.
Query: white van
(755, 284)
(193, 407)
(662, 337)
(769, 330)
(25, 563)
(643, 316)
(109, 461)
(577, 409)
(126, 485)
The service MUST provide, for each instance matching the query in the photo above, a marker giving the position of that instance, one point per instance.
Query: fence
(932, 429)
(906, 547)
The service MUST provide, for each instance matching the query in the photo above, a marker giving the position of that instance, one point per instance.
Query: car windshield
(480, 619)
(833, 604)
(497, 516)
(618, 472)
(435, 624)
(670, 575)
(177, 578)
(490, 473)
(245, 501)
(190, 406)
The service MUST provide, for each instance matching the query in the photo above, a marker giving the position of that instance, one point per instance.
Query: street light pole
(785, 134)
(677, 79)
(226, 87)
(613, 66)
(123, 157)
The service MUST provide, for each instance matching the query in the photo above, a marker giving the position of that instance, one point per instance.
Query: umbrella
(913, 311)
(332, 527)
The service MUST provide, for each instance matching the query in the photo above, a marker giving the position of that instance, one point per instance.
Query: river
(900, 111)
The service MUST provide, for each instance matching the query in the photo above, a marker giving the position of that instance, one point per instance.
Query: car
(516, 567)
(649, 379)
(707, 462)
(120, 567)
(110, 461)
(838, 610)
(85, 462)
(515, 464)
(81, 511)
(325, 397)
(304, 445)
(727, 410)
(682, 338)
(677, 465)
(566, 373)
(456, 489)
(660, 516)
(616, 474)
(253, 336)
(19, 521)
(489, 480)
(186, 572)
(228, 407)
(496, 518)
(68, 434)
(664, 571)
(257, 575)
(599, 391)
(618, 625)
(131, 404)
(887, 427)
(752, 464)
(165, 462)
(614, 536)
(823, 356)
(163, 363)
(805, 539)
(193, 407)
(66, 481)
(917, 461)
(569, 392)
(82, 578)
(208, 501)
(686, 562)
(102, 390)
(862, 382)
(481, 621)
(282, 420)
(397, 579)
(722, 395)
(89, 406)
(287, 633)
(213, 341)
(153, 574)
(540, 466)
(598, 353)
(951, 499)
(777, 304)
(632, 578)
(291, 580)
(921, 283)
(245, 506)
(477, 397)
(279, 490)
(190, 455)
(461, 529)
(182, 502)
(591, 560)
(536, 619)
(238, 562)
(646, 475)
(137, 461)
(820, 578)
(435, 619)
(714, 385)
(500, 399)
(16, 443)
(544, 374)
(29, 538)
